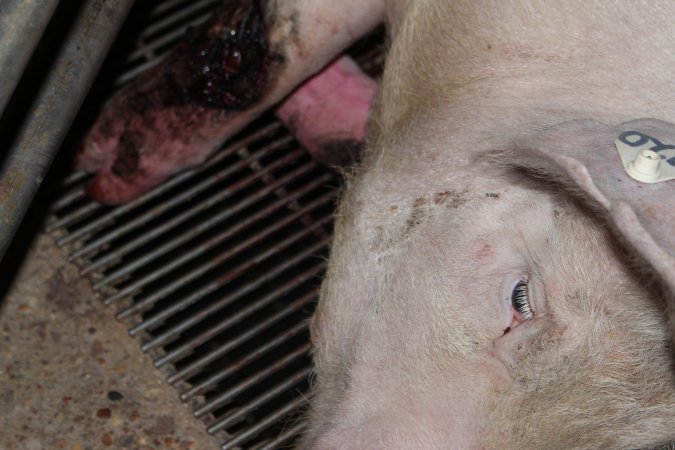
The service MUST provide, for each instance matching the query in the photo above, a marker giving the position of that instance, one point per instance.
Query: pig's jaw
(371, 417)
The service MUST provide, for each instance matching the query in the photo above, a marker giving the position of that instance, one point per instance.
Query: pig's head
(424, 340)
(487, 314)
(468, 304)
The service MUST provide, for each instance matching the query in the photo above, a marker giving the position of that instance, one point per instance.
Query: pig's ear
(584, 155)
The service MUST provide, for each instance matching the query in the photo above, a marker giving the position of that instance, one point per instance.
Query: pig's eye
(520, 300)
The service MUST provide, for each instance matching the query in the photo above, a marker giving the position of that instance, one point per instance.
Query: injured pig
(497, 279)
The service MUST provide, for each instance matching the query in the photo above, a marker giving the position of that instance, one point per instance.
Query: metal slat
(146, 54)
(174, 331)
(167, 5)
(76, 216)
(200, 249)
(237, 389)
(246, 312)
(152, 47)
(74, 178)
(195, 366)
(264, 423)
(177, 220)
(241, 363)
(279, 388)
(242, 338)
(168, 289)
(182, 177)
(175, 19)
(68, 198)
(186, 197)
(263, 349)
(283, 437)
(165, 39)
(266, 239)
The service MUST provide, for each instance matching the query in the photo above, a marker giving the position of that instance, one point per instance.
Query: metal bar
(174, 331)
(75, 177)
(153, 46)
(183, 197)
(197, 251)
(209, 384)
(166, 6)
(260, 351)
(54, 109)
(67, 198)
(193, 343)
(69, 182)
(22, 23)
(279, 388)
(220, 282)
(110, 217)
(135, 71)
(148, 50)
(191, 275)
(218, 352)
(75, 216)
(179, 15)
(226, 396)
(199, 229)
(264, 423)
(283, 437)
(167, 38)
(268, 346)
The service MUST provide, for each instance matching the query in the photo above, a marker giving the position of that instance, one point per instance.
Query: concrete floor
(70, 375)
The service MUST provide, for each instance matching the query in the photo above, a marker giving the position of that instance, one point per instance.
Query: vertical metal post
(22, 23)
(54, 109)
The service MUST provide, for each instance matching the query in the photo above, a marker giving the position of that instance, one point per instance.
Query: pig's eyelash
(520, 299)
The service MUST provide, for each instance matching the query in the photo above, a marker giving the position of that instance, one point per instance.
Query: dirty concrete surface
(70, 375)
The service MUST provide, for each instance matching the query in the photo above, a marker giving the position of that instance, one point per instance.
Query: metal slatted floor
(216, 271)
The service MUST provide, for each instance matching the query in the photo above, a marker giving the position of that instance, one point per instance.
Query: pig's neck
(536, 64)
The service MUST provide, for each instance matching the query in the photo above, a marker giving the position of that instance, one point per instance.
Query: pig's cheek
(515, 345)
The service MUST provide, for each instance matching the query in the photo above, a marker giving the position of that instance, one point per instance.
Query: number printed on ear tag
(646, 158)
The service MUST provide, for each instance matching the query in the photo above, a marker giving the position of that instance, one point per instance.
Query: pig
(496, 279)
(480, 293)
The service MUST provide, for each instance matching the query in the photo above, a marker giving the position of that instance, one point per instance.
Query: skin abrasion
(204, 85)
(247, 58)
(229, 64)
